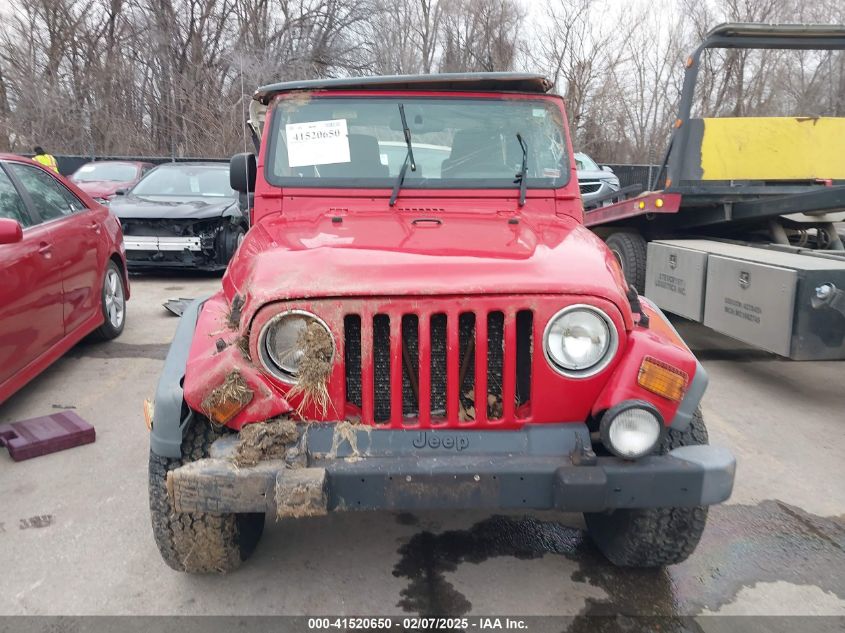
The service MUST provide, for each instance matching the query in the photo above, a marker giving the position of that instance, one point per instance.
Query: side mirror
(10, 231)
(120, 192)
(242, 171)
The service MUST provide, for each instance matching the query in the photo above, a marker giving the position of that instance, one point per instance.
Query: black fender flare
(170, 416)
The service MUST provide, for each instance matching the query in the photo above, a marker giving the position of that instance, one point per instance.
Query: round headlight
(580, 340)
(631, 430)
(281, 342)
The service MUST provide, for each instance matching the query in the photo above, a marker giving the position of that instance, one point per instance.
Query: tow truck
(745, 236)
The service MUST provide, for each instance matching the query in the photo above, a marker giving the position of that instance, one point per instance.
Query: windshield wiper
(409, 157)
(523, 172)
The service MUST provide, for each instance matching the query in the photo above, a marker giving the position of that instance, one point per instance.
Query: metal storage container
(675, 278)
(752, 302)
(765, 297)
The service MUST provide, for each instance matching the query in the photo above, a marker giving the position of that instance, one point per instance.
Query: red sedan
(63, 270)
(102, 179)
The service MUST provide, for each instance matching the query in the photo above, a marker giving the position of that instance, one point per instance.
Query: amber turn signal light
(148, 414)
(228, 399)
(663, 379)
(224, 410)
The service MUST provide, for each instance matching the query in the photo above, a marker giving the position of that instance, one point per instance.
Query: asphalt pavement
(75, 536)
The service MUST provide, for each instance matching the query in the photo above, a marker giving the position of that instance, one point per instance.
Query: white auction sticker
(317, 143)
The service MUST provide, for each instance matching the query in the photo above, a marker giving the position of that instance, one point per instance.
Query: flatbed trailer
(746, 235)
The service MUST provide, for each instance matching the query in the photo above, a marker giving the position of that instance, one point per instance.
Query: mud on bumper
(541, 467)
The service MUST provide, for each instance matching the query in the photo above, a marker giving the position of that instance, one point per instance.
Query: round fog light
(632, 429)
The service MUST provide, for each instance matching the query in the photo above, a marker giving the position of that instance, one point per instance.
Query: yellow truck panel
(773, 148)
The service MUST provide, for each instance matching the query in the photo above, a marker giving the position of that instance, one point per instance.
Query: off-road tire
(108, 330)
(197, 542)
(652, 537)
(630, 248)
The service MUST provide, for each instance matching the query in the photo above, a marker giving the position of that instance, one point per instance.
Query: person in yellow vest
(48, 160)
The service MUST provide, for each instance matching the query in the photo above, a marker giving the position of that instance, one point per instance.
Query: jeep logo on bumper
(449, 442)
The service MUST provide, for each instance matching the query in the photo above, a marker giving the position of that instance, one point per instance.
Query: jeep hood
(169, 207)
(384, 255)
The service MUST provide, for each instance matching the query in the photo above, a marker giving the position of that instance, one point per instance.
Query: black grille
(381, 360)
(168, 228)
(524, 350)
(438, 366)
(590, 187)
(352, 358)
(410, 359)
(410, 363)
(495, 363)
(466, 338)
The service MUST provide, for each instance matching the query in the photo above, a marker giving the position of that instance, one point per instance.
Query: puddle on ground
(742, 545)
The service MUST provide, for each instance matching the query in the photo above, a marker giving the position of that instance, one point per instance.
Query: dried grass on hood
(315, 348)
(242, 343)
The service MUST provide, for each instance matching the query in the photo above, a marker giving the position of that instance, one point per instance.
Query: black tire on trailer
(112, 304)
(630, 249)
(652, 537)
(198, 542)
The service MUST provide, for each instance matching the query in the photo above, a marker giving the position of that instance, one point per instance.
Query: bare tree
(577, 52)
(173, 77)
(405, 36)
(479, 35)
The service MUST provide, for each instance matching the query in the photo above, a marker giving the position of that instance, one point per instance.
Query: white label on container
(317, 143)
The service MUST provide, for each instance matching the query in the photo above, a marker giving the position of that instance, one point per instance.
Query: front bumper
(151, 259)
(155, 243)
(540, 467)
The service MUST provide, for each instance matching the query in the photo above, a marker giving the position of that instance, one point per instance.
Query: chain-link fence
(637, 175)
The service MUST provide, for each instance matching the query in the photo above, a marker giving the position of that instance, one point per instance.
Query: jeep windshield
(458, 143)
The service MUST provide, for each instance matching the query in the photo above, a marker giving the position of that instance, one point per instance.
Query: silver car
(594, 181)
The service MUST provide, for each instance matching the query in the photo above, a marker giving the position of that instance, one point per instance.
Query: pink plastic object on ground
(47, 434)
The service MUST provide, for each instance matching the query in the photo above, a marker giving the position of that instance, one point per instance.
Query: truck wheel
(197, 542)
(652, 537)
(629, 247)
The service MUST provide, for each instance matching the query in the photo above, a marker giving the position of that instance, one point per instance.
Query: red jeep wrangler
(419, 319)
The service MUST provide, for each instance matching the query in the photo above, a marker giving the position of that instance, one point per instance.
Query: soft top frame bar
(455, 82)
